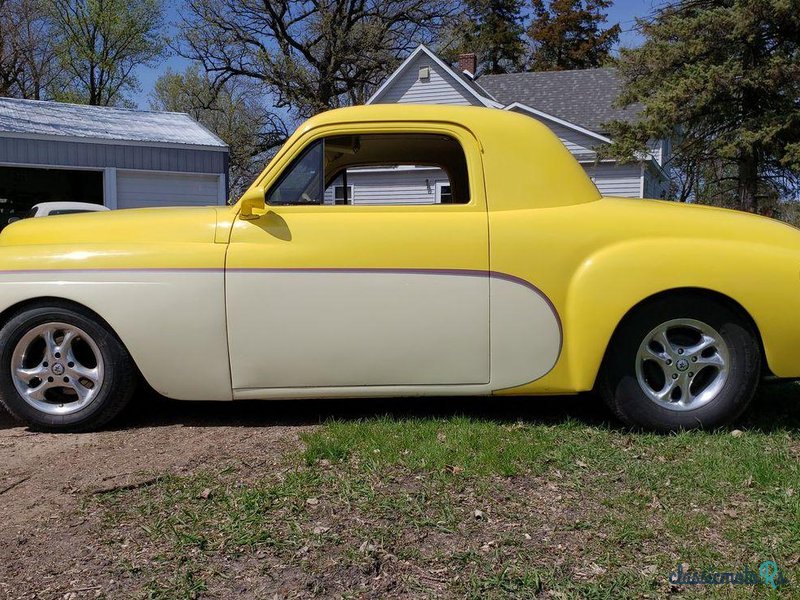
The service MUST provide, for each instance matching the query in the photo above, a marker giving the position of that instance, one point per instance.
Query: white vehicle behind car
(45, 209)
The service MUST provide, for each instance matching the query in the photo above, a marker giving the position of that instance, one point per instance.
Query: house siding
(617, 180)
(438, 89)
(402, 186)
(660, 150)
(655, 184)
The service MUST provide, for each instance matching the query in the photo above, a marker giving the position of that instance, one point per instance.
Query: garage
(23, 187)
(136, 189)
(120, 158)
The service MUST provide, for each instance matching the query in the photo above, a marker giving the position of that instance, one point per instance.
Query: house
(52, 151)
(575, 105)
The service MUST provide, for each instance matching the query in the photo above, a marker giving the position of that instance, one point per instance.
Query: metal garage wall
(136, 189)
(94, 155)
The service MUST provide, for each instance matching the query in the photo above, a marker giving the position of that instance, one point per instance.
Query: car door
(355, 275)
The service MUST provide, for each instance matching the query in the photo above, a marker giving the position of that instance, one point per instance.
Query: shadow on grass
(776, 408)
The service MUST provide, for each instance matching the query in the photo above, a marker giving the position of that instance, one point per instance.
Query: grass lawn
(477, 505)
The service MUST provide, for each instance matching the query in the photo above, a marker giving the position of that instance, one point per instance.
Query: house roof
(585, 97)
(41, 119)
(474, 85)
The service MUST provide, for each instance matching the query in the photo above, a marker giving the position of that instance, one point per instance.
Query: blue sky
(623, 12)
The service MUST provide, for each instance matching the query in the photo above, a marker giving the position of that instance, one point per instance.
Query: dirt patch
(47, 549)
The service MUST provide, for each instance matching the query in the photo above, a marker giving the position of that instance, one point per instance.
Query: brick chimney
(468, 63)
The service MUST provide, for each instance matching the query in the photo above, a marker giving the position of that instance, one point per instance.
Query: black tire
(628, 399)
(114, 390)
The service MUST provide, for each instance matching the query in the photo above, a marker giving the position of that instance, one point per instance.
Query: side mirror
(253, 199)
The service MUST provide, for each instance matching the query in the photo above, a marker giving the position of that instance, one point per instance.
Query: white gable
(438, 88)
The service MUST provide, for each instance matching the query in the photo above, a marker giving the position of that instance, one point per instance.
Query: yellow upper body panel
(137, 238)
(594, 258)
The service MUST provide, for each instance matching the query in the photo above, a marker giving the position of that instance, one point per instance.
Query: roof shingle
(584, 97)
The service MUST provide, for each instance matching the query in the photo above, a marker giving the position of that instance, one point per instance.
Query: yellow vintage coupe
(402, 251)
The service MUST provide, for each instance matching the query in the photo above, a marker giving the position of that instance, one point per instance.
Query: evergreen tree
(568, 34)
(722, 77)
(492, 29)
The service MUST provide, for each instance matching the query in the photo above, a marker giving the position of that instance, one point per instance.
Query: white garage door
(144, 188)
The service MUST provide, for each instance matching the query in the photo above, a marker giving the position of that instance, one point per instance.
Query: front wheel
(62, 370)
(682, 362)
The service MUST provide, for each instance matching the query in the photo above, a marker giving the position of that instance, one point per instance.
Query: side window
(302, 182)
(376, 169)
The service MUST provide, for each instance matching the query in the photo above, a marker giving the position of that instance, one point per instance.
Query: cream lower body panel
(525, 332)
(171, 321)
(387, 333)
(331, 328)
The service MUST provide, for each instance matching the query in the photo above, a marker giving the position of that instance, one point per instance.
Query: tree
(27, 66)
(724, 75)
(492, 29)
(232, 111)
(568, 34)
(100, 43)
(310, 56)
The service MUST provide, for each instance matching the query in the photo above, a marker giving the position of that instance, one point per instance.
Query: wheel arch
(694, 293)
(49, 301)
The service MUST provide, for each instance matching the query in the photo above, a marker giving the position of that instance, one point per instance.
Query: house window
(444, 193)
(335, 195)
(387, 169)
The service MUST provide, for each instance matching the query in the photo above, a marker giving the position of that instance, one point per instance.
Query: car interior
(323, 170)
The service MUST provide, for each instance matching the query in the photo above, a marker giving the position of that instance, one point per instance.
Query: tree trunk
(748, 180)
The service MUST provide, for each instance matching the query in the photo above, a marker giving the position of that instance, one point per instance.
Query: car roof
(69, 206)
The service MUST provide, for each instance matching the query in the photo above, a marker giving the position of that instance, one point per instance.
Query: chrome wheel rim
(682, 364)
(57, 368)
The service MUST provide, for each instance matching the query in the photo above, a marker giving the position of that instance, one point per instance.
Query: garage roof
(37, 118)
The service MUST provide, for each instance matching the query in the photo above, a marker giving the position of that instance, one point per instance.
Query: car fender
(609, 283)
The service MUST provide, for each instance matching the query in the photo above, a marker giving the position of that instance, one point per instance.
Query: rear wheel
(61, 370)
(682, 362)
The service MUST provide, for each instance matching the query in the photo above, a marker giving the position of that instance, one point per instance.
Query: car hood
(143, 225)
